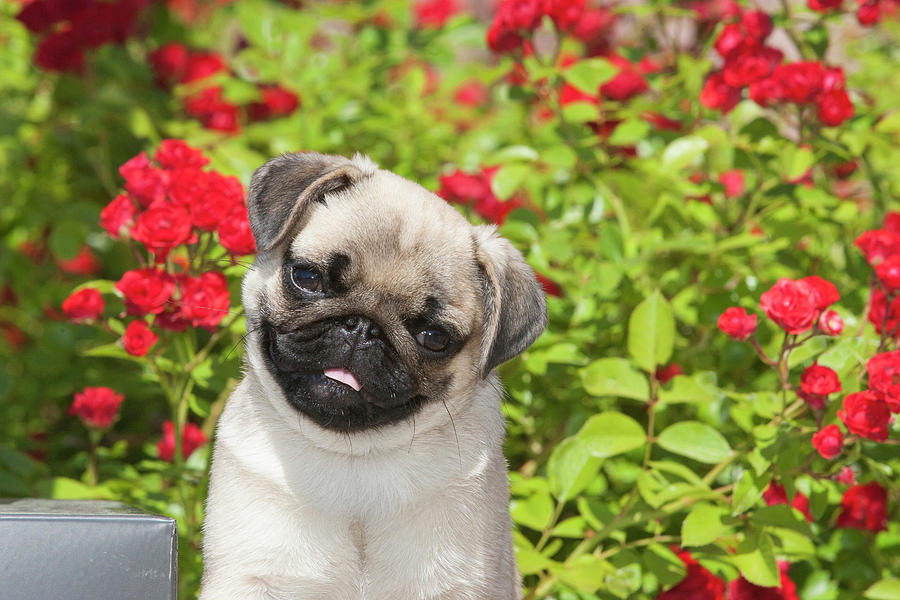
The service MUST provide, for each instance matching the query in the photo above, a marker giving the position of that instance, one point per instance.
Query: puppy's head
(371, 298)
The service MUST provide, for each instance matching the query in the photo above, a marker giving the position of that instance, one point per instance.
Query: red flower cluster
(750, 63)
(174, 64)
(177, 301)
(864, 507)
(515, 20)
(73, 26)
(881, 247)
(192, 437)
(97, 407)
(169, 204)
(464, 188)
(795, 306)
(698, 583)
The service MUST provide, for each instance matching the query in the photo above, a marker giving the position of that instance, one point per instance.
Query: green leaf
(651, 332)
(507, 180)
(612, 433)
(560, 156)
(571, 468)
(797, 162)
(696, 389)
(629, 132)
(755, 558)
(615, 377)
(588, 75)
(67, 238)
(890, 123)
(695, 440)
(581, 112)
(683, 152)
(664, 564)
(70, 489)
(573, 527)
(886, 589)
(104, 286)
(534, 512)
(585, 573)
(705, 524)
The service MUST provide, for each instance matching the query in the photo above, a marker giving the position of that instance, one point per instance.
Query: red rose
(169, 62)
(162, 227)
(513, 18)
(83, 305)
(888, 272)
(883, 317)
(501, 39)
(826, 292)
(847, 476)
(593, 27)
(213, 111)
(732, 36)
(84, 263)
(187, 184)
(146, 291)
(834, 107)
(747, 64)
(96, 406)
(662, 122)
(824, 5)
(471, 93)
(829, 441)
(235, 233)
(878, 244)
(565, 13)
(171, 320)
(734, 183)
(144, 181)
(118, 215)
(569, 94)
(628, 81)
(191, 438)
(884, 377)
(776, 494)
(869, 12)
(736, 323)
(867, 414)
(892, 222)
(39, 15)
(698, 582)
(434, 14)
(668, 372)
(800, 81)
(741, 589)
(819, 380)
(201, 65)
(864, 507)
(757, 24)
(462, 187)
(792, 305)
(61, 51)
(718, 94)
(138, 338)
(205, 299)
(831, 323)
(175, 154)
(765, 91)
(103, 22)
(210, 208)
(276, 102)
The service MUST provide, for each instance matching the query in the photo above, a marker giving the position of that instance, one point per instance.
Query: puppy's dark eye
(306, 279)
(435, 340)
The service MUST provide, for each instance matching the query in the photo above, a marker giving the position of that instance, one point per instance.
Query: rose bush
(706, 189)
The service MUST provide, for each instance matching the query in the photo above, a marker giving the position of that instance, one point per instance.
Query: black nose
(361, 327)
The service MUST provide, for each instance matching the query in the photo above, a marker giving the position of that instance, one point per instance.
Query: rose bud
(191, 438)
(831, 323)
(138, 338)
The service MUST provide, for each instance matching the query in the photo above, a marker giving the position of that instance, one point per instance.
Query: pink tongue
(344, 376)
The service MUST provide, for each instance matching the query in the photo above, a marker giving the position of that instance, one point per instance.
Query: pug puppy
(361, 455)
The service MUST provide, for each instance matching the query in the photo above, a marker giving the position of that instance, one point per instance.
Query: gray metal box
(85, 550)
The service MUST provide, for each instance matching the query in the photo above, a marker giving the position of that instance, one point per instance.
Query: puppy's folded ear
(515, 308)
(282, 189)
